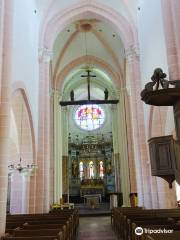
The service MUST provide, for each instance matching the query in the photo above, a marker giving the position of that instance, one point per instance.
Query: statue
(75, 169)
(158, 77)
(106, 94)
(72, 95)
(109, 168)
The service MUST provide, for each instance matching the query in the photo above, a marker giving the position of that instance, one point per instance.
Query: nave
(125, 223)
(76, 126)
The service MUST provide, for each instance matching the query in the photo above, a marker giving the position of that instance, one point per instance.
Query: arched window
(89, 117)
(101, 169)
(81, 170)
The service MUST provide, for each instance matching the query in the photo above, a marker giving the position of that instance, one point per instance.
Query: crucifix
(88, 76)
(89, 101)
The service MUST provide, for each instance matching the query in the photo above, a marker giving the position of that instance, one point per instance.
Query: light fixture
(19, 167)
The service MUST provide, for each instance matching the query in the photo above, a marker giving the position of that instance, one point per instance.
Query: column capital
(132, 52)
(45, 55)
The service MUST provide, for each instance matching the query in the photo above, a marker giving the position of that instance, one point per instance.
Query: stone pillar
(138, 127)
(16, 193)
(115, 148)
(52, 148)
(58, 147)
(65, 163)
(43, 152)
(32, 192)
(171, 17)
(123, 147)
(25, 191)
(6, 31)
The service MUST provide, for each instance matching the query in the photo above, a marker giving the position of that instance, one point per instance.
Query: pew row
(126, 220)
(62, 225)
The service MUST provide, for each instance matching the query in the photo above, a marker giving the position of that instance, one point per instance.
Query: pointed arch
(51, 28)
(20, 87)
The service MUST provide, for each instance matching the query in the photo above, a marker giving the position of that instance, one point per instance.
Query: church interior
(89, 119)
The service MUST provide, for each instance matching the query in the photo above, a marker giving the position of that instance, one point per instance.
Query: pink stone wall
(171, 17)
(22, 190)
(5, 76)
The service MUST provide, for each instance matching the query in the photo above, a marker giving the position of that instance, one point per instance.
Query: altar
(92, 197)
(92, 187)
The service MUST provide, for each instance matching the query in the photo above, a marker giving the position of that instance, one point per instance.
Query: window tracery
(89, 117)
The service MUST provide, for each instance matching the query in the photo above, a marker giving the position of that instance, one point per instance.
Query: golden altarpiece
(90, 169)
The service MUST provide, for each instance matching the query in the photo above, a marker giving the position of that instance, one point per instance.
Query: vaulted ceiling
(129, 7)
(89, 43)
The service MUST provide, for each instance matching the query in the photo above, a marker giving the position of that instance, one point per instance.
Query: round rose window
(89, 117)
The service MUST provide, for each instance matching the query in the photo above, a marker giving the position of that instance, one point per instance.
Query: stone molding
(132, 52)
(45, 55)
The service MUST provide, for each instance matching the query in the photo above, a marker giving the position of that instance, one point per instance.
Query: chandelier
(19, 167)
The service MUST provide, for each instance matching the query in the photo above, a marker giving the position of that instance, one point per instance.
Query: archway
(51, 28)
(22, 147)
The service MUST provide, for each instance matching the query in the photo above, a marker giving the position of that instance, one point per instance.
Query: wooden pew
(174, 236)
(37, 232)
(149, 220)
(57, 214)
(174, 227)
(46, 218)
(34, 238)
(65, 223)
(123, 219)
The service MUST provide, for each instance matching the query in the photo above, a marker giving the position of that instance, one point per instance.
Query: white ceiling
(101, 42)
(128, 8)
(89, 42)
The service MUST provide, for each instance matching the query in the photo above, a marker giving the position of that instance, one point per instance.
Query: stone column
(138, 127)
(123, 146)
(16, 193)
(65, 163)
(6, 15)
(43, 152)
(58, 147)
(25, 191)
(115, 148)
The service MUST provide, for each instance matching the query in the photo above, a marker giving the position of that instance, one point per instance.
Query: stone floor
(96, 228)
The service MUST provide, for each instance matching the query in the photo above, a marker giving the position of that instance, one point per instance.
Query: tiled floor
(95, 228)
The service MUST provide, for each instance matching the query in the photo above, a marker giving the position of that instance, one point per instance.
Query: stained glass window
(101, 169)
(91, 169)
(89, 117)
(81, 170)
